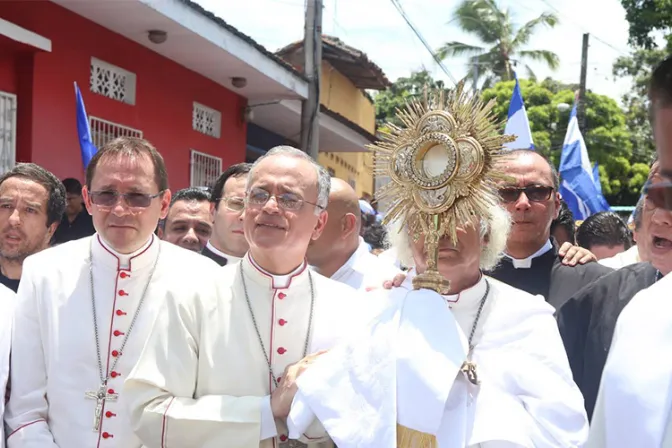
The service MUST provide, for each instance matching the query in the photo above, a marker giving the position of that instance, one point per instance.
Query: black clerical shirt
(547, 276)
(81, 227)
(9, 282)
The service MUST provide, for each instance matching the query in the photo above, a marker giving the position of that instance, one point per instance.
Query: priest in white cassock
(7, 301)
(340, 253)
(634, 404)
(220, 366)
(84, 308)
(455, 359)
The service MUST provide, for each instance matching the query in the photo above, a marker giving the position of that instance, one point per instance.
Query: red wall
(165, 92)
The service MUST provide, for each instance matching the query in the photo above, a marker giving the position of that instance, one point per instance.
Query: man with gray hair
(237, 349)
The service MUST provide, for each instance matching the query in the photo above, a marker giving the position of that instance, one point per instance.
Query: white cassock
(634, 403)
(364, 271)
(203, 380)
(403, 368)
(7, 301)
(54, 360)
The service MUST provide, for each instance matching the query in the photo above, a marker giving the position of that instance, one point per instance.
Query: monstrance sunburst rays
(441, 168)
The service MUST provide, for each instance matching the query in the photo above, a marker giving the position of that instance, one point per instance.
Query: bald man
(340, 253)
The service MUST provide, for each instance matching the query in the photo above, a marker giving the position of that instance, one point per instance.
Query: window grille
(205, 169)
(112, 81)
(102, 131)
(7, 131)
(206, 120)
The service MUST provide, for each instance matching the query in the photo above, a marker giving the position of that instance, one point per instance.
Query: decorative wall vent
(112, 81)
(206, 120)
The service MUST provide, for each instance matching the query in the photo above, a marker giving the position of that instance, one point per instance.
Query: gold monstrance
(440, 164)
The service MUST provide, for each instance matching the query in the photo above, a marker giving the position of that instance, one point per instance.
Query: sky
(376, 28)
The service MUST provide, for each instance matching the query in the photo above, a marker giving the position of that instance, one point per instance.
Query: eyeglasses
(234, 204)
(535, 193)
(132, 200)
(659, 193)
(286, 201)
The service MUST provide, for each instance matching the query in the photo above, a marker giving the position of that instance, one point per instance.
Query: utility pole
(312, 48)
(475, 74)
(582, 85)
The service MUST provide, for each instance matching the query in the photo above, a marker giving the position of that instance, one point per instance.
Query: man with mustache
(238, 343)
(634, 402)
(32, 202)
(227, 201)
(188, 223)
(85, 307)
(531, 260)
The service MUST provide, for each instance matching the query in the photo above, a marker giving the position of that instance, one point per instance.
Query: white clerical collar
(278, 281)
(135, 260)
(351, 264)
(229, 258)
(526, 263)
(468, 298)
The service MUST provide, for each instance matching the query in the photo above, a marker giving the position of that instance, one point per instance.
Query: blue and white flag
(596, 177)
(517, 123)
(84, 130)
(578, 184)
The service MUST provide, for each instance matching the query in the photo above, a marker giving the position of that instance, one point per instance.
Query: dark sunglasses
(133, 200)
(660, 193)
(535, 193)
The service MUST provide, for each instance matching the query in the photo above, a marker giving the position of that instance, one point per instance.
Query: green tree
(399, 93)
(638, 67)
(647, 17)
(502, 43)
(607, 137)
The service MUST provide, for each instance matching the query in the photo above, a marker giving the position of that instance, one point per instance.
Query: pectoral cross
(469, 370)
(100, 396)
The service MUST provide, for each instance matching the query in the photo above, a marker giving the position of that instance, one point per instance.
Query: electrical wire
(417, 33)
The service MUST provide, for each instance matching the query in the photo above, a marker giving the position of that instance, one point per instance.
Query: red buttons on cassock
(282, 295)
(281, 350)
(117, 333)
(120, 313)
(124, 275)
(110, 391)
(107, 435)
(282, 322)
(114, 374)
(122, 292)
(283, 438)
(109, 414)
(115, 353)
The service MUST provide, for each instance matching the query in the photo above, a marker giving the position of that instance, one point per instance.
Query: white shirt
(526, 263)
(526, 398)
(54, 361)
(212, 388)
(7, 302)
(635, 398)
(364, 271)
(623, 259)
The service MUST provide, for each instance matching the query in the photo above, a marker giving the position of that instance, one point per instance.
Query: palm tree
(502, 43)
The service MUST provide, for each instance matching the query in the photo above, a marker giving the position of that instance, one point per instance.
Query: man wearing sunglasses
(85, 307)
(227, 244)
(229, 376)
(633, 405)
(532, 262)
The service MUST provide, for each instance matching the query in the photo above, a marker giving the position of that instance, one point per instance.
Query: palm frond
(530, 73)
(551, 59)
(525, 32)
(457, 49)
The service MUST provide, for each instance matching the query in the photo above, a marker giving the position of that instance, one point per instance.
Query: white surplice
(634, 403)
(203, 379)
(54, 360)
(7, 302)
(364, 271)
(403, 368)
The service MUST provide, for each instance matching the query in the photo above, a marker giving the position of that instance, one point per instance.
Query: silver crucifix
(100, 396)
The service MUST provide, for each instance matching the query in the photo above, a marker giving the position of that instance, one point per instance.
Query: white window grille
(205, 169)
(102, 131)
(112, 81)
(7, 132)
(206, 120)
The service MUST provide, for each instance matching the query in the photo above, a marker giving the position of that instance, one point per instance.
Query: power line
(417, 33)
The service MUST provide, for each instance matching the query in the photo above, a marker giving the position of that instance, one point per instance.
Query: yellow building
(346, 75)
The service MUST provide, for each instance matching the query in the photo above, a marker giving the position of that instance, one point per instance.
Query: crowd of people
(241, 316)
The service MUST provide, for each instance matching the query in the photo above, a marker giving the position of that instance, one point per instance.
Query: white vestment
(54, 361)
(7, 302)
(203, 380)
(364, 271)
(635, 398)
(403, 368)
(623, 259)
